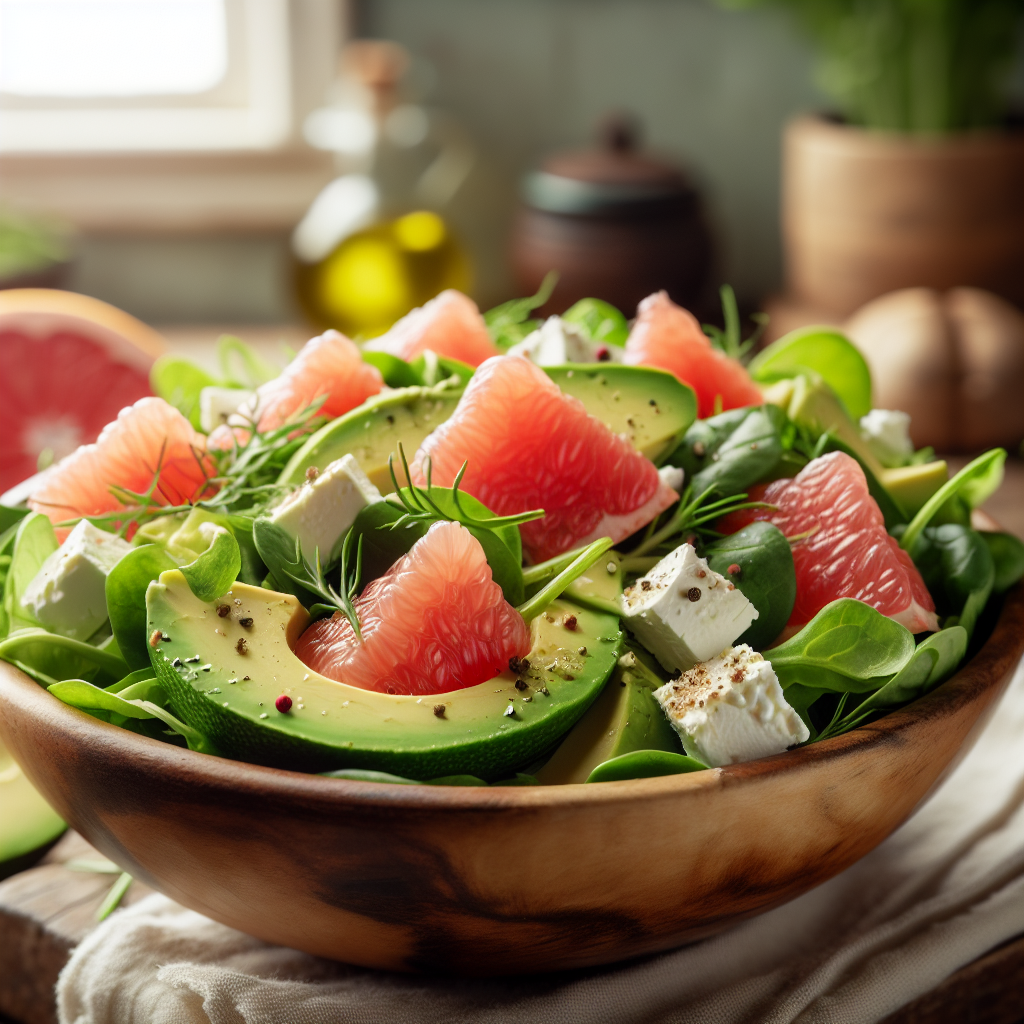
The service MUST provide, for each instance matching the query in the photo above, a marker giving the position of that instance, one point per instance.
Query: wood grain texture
(487, 882)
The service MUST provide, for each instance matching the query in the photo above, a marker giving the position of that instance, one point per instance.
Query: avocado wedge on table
(27, 822)
(224, 676)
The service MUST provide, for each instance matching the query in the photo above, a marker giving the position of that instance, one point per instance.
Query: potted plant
(917, 180)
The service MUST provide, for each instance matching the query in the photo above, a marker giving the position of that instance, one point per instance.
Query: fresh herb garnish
(730, 340)
(420, 506)
(508, 323)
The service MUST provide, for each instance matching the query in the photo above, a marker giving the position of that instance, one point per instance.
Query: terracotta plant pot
(868, 212)
(495, 881)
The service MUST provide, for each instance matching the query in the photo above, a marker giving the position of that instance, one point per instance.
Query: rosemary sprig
(692, 516)
(420, 506)
(577, 567)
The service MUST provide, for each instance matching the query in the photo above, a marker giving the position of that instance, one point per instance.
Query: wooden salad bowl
(495, 881)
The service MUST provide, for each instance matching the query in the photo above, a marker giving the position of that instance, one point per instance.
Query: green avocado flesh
(373, 431)
(651, 407)
(332, 725)
(27, 821)
(626, 717)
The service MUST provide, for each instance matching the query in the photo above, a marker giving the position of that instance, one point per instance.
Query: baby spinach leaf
(138, 676)
(748, 454)
(599, 321)
(645, 764)
(397, 373)
(1007, 553)
(934, 660)
(432, 369)
(178, 381)
(126, 589)
(213, 572)
(11, 517)
(34, 542)
(49, 658)
(957, 567)
(825, 353)
(766, 576)
(232, 352)
(847, 638)
(975, 484)
(87, 697)
(703, 439)
(509, 323)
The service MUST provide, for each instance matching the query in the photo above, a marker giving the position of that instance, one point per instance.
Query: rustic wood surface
(46, 910)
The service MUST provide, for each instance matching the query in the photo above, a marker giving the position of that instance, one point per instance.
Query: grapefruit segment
(68, 363)
(330, 366)
(530, 446)
(840, 546)
(450, 324)
(668, 337)
(148, 436)
(435, 622)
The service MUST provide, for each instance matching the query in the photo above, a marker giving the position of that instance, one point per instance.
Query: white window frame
(262, 121)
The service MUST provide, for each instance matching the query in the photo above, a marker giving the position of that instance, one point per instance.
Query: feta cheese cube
(216, 405)
(68, 594)
(556, 342)
(731, 709)
(673, 476)
(323, 508)
(684, 612)
(887, 433)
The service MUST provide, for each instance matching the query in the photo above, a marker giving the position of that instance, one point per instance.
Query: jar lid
(613, 178)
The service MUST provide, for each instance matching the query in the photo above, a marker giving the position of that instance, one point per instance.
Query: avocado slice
(816, 405)
(223, 694)
(27, 822)
(372, 431)
(626, 717)
(651, 407)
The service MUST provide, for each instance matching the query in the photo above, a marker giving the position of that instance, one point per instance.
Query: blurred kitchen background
(267, 167)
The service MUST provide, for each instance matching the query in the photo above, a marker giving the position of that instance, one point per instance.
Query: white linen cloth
(944, 889)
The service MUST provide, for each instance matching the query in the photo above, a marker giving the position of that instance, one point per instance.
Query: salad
(490, 550)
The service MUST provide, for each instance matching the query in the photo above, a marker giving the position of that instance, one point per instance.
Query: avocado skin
(651, 407)
(383, 732)
(28, 825)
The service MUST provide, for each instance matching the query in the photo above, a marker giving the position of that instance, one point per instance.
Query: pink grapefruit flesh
(435, 622)
(328, 367)
(68, 363)
(530, 446)
(840, 546)
(146, 437)
(668, 337)
(450, 325)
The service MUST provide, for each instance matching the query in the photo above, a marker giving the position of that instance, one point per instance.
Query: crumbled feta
(557, 342)
(887, 433)
(672, 476)
(216, 405)
(683, 612)
(68, 594)
(731, 709)
(322, 509)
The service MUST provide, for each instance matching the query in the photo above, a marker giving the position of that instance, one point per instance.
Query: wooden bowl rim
(989, 667)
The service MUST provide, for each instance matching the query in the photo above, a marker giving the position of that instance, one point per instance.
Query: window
(144, 75)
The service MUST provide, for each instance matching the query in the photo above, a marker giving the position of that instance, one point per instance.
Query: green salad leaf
(730, 341)
(34, 542)
(599, 321)
(974, 484)
(766, 576)
(509, 323)
(49, 658)
(645, 764)
(178, 381)
(823, 353)
(126, 589)
(216, 569)
(1007, 553)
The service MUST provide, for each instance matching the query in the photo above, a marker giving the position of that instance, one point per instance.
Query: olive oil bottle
(377, 241)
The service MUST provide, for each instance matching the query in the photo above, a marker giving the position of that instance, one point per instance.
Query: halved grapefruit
(668, 337)
(529, 446)
(435, 622)
(148, 437)
(68, 363)
(450, 325)
(330, 367)
(840, 547)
